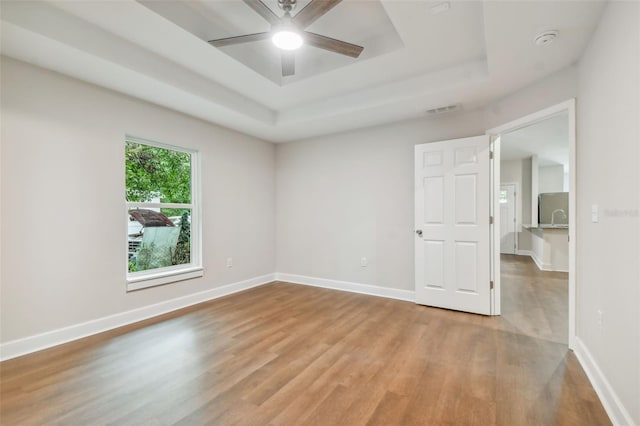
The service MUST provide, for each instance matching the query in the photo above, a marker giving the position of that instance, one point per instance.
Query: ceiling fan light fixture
(287, 40)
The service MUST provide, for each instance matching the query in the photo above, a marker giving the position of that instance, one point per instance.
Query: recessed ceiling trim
(112, 76)
(135, 23)
(57, 39)
(456, 77)
(127, 47)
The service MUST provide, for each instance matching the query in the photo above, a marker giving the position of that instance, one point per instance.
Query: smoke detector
(440, 8)
(545, 37)
(444, 109)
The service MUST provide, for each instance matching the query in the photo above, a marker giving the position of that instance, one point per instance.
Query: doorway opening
(533, 255)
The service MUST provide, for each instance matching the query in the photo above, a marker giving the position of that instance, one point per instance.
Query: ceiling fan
(288, 33)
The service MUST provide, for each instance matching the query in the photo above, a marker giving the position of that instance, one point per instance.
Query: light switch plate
(594, 213)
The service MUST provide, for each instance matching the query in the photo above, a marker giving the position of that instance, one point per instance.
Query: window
(163, 229)
(504, 196)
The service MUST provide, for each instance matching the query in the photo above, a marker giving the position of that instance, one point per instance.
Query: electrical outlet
(363, 262)
(599, 318)
(229, 262)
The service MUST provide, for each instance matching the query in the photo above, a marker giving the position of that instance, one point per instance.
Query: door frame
(515, 211)
(568, 106)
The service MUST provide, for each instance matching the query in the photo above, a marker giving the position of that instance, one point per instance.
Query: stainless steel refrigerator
(553, 208)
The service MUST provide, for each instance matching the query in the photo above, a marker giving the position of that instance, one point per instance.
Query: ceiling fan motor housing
(287, 5)
(289, 33)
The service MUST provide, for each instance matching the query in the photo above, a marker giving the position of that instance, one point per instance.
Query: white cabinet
(550, 247)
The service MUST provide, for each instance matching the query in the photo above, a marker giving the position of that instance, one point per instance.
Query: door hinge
(490, 155)
(490, 220)
(491, 284)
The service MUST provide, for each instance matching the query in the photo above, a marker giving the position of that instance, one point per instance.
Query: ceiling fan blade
(312, 11)
(221, 42)
(288, 63)
(263, 10)
(332, 45)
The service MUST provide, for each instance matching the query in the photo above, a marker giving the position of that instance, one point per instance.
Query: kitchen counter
(550, 246)
(547, 226)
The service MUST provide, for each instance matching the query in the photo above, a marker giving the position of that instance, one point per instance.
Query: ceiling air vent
(444, 109)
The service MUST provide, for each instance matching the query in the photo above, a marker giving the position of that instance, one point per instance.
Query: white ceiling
(213, 20)
(548, 139)
(472, 54)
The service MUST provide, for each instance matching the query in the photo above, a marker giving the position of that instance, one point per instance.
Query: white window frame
(160, 276)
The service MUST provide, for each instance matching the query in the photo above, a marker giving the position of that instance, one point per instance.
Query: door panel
(466, 257)
(434, 263)
(434, 199)
(465, 200)
(452, 200)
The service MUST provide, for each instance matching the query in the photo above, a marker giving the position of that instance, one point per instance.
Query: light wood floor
(285, 354)
(534, 303)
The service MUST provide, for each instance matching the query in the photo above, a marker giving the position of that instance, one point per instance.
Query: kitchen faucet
(553, 215)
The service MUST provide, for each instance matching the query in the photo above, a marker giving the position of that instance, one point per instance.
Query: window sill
(162, 278)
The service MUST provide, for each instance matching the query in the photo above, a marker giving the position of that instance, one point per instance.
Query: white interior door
(452, 202)
(508, 233)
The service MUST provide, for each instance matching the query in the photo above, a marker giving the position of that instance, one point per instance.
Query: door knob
(419, 232)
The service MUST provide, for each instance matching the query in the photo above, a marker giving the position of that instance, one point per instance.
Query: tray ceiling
(363, 23)
(416, 57)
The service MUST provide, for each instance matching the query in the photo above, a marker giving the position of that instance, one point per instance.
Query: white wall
(63, 227)
(608, 154)
(552, 90)
(519, 171)
(524, 238)
(351, 195)
(551, 179)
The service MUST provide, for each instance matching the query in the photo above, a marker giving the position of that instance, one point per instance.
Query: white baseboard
(610, 401)
(372, 290)
(51, 338)
(538, 262)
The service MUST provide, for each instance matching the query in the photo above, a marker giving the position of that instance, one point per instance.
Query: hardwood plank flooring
(534, 302)
(284, 354)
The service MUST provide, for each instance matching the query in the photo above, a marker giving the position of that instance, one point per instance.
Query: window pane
(157, 174)
(157, 240)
